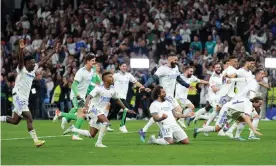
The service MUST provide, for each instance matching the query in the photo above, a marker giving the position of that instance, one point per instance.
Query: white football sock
(239, 129)
(160, 141)
(3, 119)
(206, 129)
(150, 122)
(255, 124)
(212, 117)
(63, 122)
(81, 132)
(232, 128)
(101, 133)
(199, 113)
(106, 112)
(33, 135)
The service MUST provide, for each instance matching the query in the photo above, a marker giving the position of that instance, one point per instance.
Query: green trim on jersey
(75, 87)
(94, 81)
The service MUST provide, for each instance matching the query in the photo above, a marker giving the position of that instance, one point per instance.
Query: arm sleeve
(98, 79)
(75, 87)
(153, 109)
(132, 79)
(94, 92)
(195, 79)
(115, 95)
(182, 82)
(78, 76)
(159, 72)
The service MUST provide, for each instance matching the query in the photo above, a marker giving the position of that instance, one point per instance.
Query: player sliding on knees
(167, 76)
(163, 113)
(26, 73)
(240, 109)
(95, 105)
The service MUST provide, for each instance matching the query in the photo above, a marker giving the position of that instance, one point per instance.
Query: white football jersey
(242, 73)
(241, 104)
(101, 97)
(83, 76)
(23, 82)
(250, 90)
(121, 82)
(163, 108)
(182, 91)
(216, 81)
(167, 78)
(228, 89)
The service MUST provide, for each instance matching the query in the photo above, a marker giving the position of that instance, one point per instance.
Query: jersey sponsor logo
(123, 81)
(30, 75)
(237, 102)
(172, 76)
(165, 108)
(104, 99)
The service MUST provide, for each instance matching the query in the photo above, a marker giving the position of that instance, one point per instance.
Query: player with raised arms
(26, 73)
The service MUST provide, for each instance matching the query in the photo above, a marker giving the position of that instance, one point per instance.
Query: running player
(78, 92)
(96, 80)
(95, 105)
(226, 92)
(181, 93)
(26, 73)
(215, 83)
(121, 81)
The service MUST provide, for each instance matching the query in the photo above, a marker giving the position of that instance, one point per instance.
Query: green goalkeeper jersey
(94, 81)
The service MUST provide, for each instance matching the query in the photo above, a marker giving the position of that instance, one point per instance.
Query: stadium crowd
(200, 32)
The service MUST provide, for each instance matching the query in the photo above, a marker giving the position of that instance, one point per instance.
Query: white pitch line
(50, 136)
(55, 136)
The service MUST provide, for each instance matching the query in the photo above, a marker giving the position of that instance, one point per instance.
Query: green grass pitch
(127, 148)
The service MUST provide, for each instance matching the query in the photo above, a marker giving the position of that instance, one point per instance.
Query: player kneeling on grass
(239, 109)
(95, 106)
(164, 114)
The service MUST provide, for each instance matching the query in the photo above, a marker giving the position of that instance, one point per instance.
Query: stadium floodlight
(270, 63)
(139, 63)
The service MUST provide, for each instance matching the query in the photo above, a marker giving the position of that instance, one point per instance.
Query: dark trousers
(4, 109)
(34, 107)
